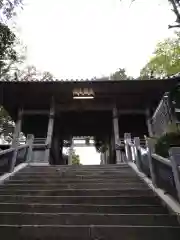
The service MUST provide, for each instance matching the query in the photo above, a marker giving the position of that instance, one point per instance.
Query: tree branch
(175, 10)
(174, 26)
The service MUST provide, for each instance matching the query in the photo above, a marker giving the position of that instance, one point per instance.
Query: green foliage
(6, 124)
(75, 159)
(8, 8)
(165, 142)
(100, 144)
(8, 54)
(31, 73)
(120, 74)
(166, 61)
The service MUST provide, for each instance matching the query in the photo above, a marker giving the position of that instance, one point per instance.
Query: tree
(120, 74)
(166, 61)
(6, 125)
(75, 159)
(8, 53)
(9, 57)
(30, 73)
(175, 8)
(8, 8)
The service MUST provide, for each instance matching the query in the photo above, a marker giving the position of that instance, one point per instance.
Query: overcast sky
(87, 38)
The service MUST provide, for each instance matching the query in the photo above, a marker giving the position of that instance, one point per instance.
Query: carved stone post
(128, 150)
(30, 140)
(15, 141)
(151, 164)
(116, 134)
(137, 153)
(175, 161)
(71, 150)
(50, 132)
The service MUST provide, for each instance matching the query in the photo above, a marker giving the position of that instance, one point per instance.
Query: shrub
(165, 142)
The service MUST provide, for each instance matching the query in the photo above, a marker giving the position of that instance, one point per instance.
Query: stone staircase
(82, 203)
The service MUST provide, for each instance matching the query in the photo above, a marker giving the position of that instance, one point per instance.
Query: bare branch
(175, 10)
(174, 26)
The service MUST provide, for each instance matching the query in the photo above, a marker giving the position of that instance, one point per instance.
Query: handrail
(3, 152)
(163, 160)
(39, 145)
(23, 146)
(162, 177)
(16, 156)
(158, 108)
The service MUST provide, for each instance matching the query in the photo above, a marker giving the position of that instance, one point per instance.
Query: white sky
(88, 155)
(87, 38)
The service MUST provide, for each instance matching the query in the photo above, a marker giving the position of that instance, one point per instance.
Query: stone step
(76, 232)
(77, 167)
(82, 192)
(85, 208)
(73, 181)
(108, 200)
(7, 218)
(87, 172)
(74, 186)
(76, 177)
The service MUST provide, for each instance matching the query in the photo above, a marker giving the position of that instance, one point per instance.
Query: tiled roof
(45, 80)
(33, 79)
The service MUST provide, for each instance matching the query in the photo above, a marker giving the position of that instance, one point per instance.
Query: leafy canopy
(166, 59)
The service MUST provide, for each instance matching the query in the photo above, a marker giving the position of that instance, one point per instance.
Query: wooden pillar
(110, 150)
(148, 123)
(116, 134)
(15, 141)
(50, 132)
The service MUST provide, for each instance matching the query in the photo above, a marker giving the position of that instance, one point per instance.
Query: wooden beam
(35, 112)
(148, 122)
(131, 112)
(86, 105)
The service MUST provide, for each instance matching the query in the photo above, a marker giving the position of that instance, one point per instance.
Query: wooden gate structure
(55, 111)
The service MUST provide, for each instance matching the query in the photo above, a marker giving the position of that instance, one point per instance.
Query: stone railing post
(174, 153)
(30, 140)
(49, 132)
(150, 148)
(71, 151)
(137, 153)
(15, 141)
(128, 150)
